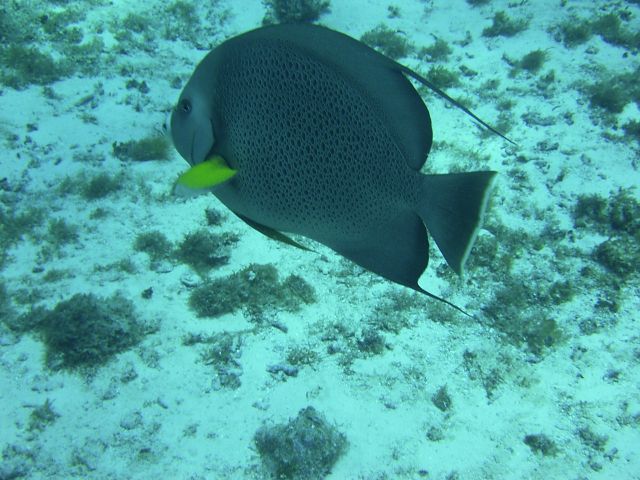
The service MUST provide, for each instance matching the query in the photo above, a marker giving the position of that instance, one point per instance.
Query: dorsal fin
(427, 83)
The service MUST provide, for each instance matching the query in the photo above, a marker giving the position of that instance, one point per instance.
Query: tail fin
(451, 207)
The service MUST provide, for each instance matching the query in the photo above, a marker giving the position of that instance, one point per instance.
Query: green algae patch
(143, 150)
(620, 256)
(294, 11)
(307, 447)
(618, 214)
(155, 244)
(524, 316)
(541, 444)
(388, 42)
(204, 250)
(87, 331)
(505, 26)
(255, 288)
(22, 66)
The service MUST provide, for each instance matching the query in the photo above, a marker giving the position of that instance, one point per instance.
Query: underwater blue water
(147, 333)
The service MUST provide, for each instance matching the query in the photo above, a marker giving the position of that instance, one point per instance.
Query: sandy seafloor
(157, 411)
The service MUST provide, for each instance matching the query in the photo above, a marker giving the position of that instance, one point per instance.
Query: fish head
(191, 126)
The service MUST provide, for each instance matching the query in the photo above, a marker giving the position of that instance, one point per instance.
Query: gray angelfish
(301, 129)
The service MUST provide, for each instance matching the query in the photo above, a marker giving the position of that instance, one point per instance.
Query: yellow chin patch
(203, 176)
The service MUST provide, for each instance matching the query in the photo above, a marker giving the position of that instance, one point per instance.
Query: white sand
(111, 429)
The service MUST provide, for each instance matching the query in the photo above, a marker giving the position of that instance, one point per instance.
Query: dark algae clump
(574, 32)
(505, 26)
(442, 77)
(591, 439)
(101, 185)
(540, 443)
(441, 399)
(618, 217)
(525, 317)
(222, 353)
(143, 150)
(61, 232)
(533, 61)
(371, 342)
(618, 255)
(387, 41)
(155, 244)
(294, 11)
(6, 309)
(306, 448)
(612, 93)
(438, 51)
(87, 330)
(632, 130)
(43, 416)
(608, 95)
(15, 225)
(204, 250)
(611, 27)
(612, 30)
(23, 66)
(256, 288)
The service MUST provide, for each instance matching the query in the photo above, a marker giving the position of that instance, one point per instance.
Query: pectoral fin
(271, 233)
(203, 176)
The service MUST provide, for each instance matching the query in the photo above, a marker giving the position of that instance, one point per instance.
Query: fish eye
(185, 105)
